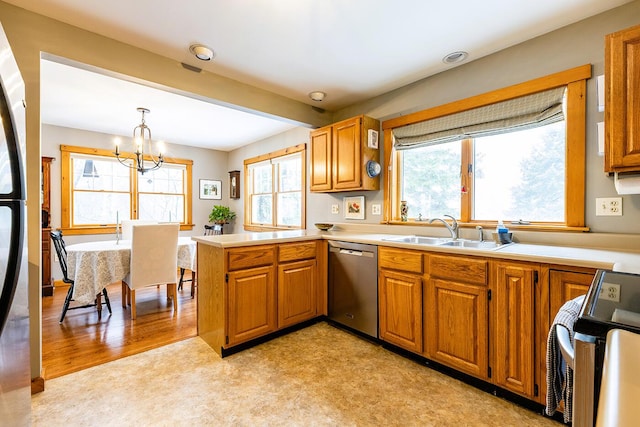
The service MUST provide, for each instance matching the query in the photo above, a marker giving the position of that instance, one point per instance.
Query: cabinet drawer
(296, 251)
(255, 256)
(468, 270)
(400, 259)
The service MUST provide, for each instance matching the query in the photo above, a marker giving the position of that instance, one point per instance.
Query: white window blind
(521, 113)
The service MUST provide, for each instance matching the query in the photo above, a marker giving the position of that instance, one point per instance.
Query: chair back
(61, 251)
(210, 230)
(154, 253)
(128, 223)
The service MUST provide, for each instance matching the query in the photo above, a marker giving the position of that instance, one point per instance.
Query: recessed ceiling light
(201, 52)
(455, 57)
(317, 95)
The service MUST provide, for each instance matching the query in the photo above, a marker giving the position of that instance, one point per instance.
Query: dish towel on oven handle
(559, 373)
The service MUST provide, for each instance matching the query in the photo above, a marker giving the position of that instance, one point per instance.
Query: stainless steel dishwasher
(353, 286)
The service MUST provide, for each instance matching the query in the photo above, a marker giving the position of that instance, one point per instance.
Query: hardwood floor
(82, 340)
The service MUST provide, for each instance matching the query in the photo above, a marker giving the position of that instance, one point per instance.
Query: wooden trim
(268, 156)
(66, 173)
(466, 181)
(247, 225)
(561, 78)
(575, 154)
(575, 80)
(37, 385)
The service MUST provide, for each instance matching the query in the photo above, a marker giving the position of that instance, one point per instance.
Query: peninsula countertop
(609, 259)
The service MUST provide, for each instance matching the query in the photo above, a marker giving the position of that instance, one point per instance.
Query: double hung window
(275, 190)
(97, 191)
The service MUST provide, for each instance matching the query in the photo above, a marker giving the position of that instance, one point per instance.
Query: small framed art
(354, 207)
(210, 189)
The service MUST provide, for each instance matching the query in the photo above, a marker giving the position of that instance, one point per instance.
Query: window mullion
(466, 180)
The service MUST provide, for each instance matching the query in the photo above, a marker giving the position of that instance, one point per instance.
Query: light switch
(375, 209)
(335, 209)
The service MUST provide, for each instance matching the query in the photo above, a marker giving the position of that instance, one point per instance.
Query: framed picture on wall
(210, 189)
(354, 207)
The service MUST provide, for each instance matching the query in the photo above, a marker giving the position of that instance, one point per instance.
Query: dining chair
(128, 223)
(209, 230)
(154, 249)
(61, 251)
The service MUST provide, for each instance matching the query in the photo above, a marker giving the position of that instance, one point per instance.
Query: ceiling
(352, 50)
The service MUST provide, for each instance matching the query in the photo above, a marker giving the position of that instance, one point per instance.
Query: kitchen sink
(471, 244)
(422, 240)
(441, 241)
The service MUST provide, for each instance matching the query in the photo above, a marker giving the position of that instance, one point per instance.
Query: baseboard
(37, 385)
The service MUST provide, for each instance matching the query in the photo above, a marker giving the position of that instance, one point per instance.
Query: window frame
(575, 118)
(68, 151)
(270, 157)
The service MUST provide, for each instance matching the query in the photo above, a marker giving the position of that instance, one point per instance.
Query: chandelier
(141, 138)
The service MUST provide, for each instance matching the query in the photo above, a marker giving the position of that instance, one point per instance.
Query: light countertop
(609, 259)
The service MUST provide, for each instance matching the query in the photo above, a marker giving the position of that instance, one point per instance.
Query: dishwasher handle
(354, 252)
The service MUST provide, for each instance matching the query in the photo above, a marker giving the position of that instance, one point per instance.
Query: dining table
(94, 265)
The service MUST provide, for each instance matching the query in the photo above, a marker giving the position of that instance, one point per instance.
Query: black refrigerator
(15, 374)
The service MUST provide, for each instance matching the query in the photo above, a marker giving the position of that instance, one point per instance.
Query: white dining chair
(154, 249)
(126, 225)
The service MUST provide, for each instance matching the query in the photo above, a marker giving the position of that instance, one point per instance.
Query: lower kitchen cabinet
(565, 286)
(252, 304)
(296, 292)
(457, 314)
(514, 327)
(400, 297)
(400, 309)
(456, 331)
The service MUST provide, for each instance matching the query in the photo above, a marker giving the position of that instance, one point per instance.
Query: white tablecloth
(94, 265)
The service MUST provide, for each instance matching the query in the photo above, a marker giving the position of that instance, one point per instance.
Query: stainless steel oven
(613, 301)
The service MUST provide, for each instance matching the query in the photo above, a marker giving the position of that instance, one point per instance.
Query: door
(514, 327)
(296, 292)
(252, 304)
(400, 309)
(321, 159)
(347, 155)
(457, 326)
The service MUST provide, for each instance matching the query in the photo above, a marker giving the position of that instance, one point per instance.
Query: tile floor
(317, 376)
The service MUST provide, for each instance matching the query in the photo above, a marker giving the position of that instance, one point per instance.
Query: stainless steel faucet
(453, 228)
(480, 235)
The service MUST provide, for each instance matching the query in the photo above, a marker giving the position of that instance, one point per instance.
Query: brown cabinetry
(565, 286)
(400, 297)
(457, 313)
(47, 282)
(339, 154)
(622, 101)
(297, 295)
(251, 293)
(514, 326)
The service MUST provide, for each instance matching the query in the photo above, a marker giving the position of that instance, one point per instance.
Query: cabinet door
(622, 113)
(457, 326)
(347, 155)
(296, 292)
(252, 304)
(400, 309)
(565, 286)
(321, 159)
(514, 327)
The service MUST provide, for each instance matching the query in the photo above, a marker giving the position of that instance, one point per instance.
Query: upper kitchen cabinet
(622, 107)
(339, 156)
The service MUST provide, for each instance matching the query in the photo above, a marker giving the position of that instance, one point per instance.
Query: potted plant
(221, 215)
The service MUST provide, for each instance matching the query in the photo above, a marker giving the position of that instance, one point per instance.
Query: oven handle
(564, 340)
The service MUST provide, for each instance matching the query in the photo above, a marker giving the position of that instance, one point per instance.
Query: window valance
(521, 113)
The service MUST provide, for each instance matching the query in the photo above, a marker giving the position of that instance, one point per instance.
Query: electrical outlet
(335, 209)
(610, 292)
(609, 206)
(375, 209)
